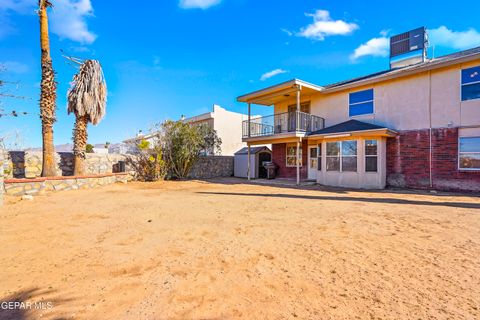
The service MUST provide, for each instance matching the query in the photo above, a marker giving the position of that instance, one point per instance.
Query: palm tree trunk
(47, 96)
(80, 136)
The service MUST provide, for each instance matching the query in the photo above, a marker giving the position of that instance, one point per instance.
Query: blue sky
(166, 58)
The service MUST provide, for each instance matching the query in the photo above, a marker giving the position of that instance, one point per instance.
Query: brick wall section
(408, 161)
(279, 152)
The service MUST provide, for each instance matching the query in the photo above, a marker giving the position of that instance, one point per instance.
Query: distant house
(227, 124)
(416, 124)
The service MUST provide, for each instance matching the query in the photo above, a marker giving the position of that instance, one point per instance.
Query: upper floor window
(469, 153)
(360, 103)
(471, 83)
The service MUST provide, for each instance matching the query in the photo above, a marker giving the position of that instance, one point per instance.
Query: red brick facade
(408, 161)
(279, 152)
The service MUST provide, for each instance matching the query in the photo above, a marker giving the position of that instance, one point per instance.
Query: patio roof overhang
(383, 132)
(274, 94)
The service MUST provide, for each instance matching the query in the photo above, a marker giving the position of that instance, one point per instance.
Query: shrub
(89, 148)
(148, 163)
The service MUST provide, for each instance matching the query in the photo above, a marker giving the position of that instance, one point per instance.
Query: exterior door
(312, 162)
(292, 115)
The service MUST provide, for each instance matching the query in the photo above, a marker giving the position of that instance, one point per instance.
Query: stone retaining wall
(20, 187)
(28, 164)
(212, 167)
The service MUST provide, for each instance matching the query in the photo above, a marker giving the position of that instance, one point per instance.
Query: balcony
(288, 122)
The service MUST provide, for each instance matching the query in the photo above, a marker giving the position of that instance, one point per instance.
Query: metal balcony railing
(294, 121)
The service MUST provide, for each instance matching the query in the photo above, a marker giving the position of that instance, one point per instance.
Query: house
(415, 125)
(227, 124)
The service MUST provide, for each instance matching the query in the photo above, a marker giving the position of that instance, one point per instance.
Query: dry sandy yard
(198, 250)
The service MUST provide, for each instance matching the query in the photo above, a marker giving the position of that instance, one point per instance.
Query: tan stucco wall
(229, 128)
(404, 103)
(359, 179)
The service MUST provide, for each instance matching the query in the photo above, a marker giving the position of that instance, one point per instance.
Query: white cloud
(16, 6)
(69, 20)
(377, 47)
(323, 26)
(20, 6)
(198, 4)
(271, 74)
(14, 66)
(442, 36)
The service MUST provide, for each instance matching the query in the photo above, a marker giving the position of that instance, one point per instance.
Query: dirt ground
(226, 250)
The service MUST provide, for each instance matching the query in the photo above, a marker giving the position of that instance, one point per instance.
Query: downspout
(430, 128)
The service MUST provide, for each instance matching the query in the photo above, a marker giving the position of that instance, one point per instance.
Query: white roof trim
(278, 87)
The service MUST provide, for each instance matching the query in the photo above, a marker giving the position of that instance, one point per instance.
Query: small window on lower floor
(469, 153)
(292, 156)
(371, 156)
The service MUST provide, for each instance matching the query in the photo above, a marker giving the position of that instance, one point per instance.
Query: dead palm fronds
(87, 99)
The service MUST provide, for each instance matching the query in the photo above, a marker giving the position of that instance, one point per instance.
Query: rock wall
(28, 164)
(20, 187)
(212, 167)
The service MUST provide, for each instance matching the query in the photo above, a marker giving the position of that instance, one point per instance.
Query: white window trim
(370, 156)
(461, 100)
(340, 156)
(287, 156)
(458, 156)
(357, 103)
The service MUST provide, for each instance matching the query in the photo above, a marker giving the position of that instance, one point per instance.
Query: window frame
(341, 156)
(287, 156)
(459, 152)
(370, 155)
(363, 102)
(467, 84)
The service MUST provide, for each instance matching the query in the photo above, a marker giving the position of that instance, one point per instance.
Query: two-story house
(414, 125)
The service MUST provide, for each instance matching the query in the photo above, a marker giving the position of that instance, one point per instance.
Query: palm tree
(87, 99)
(48, 94)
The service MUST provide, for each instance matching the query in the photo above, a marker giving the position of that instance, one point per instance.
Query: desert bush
(173, 151)
(147, 164)
(183, 143)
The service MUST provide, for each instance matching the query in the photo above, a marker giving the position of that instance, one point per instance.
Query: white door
(312, 162)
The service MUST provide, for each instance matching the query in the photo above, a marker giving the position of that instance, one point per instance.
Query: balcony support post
(248, 161)
(298, 161)
(249, 118)
(299, 89)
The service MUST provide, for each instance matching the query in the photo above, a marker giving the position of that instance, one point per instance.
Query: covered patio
(286, 127)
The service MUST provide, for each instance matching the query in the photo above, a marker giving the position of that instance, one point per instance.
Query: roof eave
(429, 66)
(255, 95)
(386, 132)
